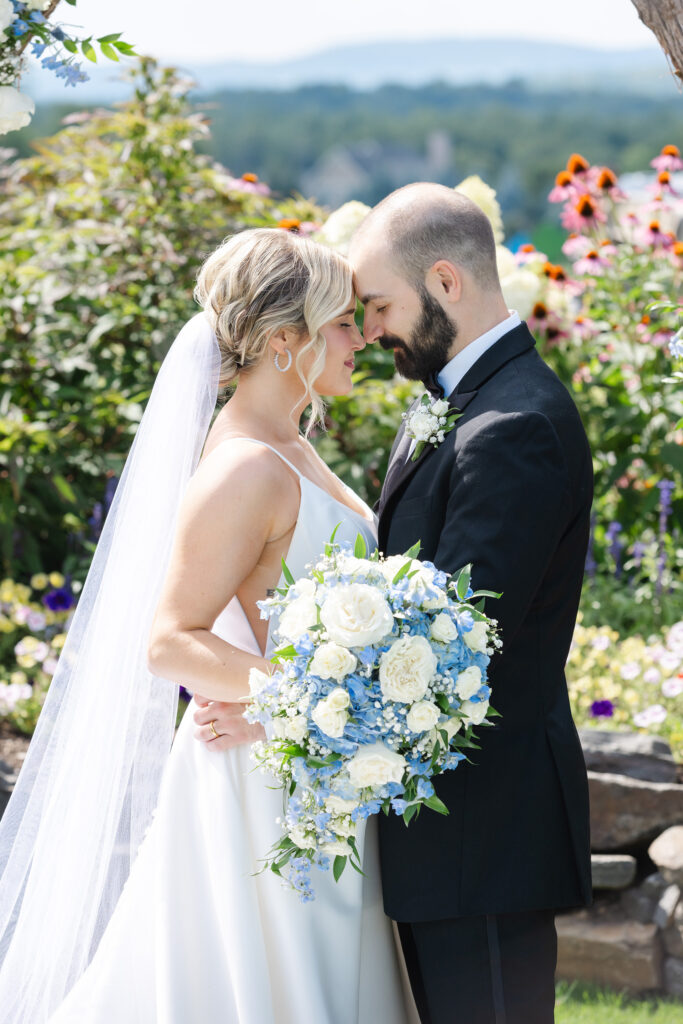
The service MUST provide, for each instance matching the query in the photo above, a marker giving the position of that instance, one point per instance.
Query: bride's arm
(227, 517)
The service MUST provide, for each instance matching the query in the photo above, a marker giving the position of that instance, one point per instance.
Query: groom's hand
(233, 730)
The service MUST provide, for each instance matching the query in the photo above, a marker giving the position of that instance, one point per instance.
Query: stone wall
(632, 937)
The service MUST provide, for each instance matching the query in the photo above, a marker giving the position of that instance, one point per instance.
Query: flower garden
(101, 234)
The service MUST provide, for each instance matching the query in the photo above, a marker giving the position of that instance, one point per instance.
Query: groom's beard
(428, 348)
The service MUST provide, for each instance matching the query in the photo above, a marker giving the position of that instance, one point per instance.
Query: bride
(130, 889)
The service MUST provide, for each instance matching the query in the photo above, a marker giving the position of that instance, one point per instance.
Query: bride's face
(343, 340)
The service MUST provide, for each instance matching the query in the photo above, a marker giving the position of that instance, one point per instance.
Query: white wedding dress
(197, 936)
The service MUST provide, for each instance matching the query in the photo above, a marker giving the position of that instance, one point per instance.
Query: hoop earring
(283, 369)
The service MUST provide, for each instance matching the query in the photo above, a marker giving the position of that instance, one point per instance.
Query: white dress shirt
(454, 371)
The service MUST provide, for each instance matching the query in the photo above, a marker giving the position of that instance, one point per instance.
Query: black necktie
(433, 387)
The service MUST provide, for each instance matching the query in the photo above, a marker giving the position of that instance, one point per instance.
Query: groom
(509, 489)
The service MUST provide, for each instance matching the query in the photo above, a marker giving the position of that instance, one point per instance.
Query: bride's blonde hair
(266, 279)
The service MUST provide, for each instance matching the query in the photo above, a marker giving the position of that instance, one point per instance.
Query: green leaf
(88, 51)
(338, 867)
(360, 548)
(442, 701)
(286, 573)
(126, 49)
(462, 583)
(414, 551)
(403, 571)
(492, 713)
(435, 804)
(110, 38)
(109, 52)
(410, 813)
(70, 45)
(64, 488)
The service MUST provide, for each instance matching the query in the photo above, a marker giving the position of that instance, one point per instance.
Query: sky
(212, 30)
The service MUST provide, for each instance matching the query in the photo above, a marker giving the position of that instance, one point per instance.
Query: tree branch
(665, 19)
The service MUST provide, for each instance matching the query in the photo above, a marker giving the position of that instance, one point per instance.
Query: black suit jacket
(510, 490)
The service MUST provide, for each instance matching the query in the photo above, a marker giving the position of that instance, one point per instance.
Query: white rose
(338, 699)
(434, 603)
(475, 713)
(476, 638)
(406, 669)
(16, 109)
(37, 5)
(422, 424)
(440, 407)
(303, 588)
(338, 848)
(7, 14)
(391, 565)
(343, 827)
(443, 629)
(296, 728)
(279, 728)
(298, 617)
(521, 288)
(422, 716)
(505, 261)
(485, 198)
(332, 661)
(450, 727)
(328, 720)
(375, 765)
(302, 838)
(258, 681)
(469, 682)
(356, 614)
(338, 805)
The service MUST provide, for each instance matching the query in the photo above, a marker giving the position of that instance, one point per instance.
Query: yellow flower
(6, 625)
(632, 697)
(58, 641)
(485, 198)
(56, 579)
(26, 661)
(39, 581)
(7, 590)
(18, 678)
(22, 592)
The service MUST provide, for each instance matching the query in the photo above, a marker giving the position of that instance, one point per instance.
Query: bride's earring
(283, 369)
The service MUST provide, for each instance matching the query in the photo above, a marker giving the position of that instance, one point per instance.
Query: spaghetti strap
(263, 443)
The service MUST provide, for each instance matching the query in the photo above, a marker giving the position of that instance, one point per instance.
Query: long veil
(90, 782)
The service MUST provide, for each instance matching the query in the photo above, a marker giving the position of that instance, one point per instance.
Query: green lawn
(587, 1004)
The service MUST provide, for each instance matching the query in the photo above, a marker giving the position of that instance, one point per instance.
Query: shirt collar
(454, 371)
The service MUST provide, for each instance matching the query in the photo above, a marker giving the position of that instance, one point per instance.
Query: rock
(664, 911)
(673, 977)
(628, 753)
(640, 903)
(612, 870)
(609, 951)
(626, 811)
(667, 853)
(673, 936)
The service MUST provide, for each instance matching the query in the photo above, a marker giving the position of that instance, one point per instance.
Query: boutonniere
(429, 423)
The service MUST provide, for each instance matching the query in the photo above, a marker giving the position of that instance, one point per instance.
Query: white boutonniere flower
(429, 423)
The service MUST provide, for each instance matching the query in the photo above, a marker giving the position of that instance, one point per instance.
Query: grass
(579, 1003)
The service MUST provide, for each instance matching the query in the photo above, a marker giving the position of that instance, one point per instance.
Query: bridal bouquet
(380, 679)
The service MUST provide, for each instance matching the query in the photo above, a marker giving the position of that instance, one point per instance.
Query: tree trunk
(665, 19)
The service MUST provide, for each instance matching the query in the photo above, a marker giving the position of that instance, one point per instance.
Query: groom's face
(403, 318)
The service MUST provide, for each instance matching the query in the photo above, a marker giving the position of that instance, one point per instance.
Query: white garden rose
(343, 826)
(469, 682)
(443, 629)
(485, 198)
(328, 720)
(440, 407)
(279, 728)
(422, 424)
(303, 839)
(440, 600)
(303, 588)
(450, 727)
(406, 669)
(355, 615)
(340, 226)
(505, 261)
(338, 848)
(16, 109)
(7, 14)
(332, 661)
(298, 617)
(375, 765)
(338, 699)
(338, 805)
(423, 716)
(258, 680)
(521, 289)
(296, 728)
(391, 565)
(476, 637)
(475, 712)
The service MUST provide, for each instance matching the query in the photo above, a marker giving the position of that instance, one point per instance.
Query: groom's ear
(445, 281)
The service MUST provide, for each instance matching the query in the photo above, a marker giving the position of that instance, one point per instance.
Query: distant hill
(368, 65)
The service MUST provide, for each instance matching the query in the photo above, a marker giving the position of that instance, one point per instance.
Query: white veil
(90, 782)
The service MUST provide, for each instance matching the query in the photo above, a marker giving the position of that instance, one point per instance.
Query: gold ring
(213, 728)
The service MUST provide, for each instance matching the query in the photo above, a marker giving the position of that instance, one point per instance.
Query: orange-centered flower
(645, 318)
(663, 177)
(290, 224)
(654, 227)
(539, 311)
(678, 249)
(563, 179)
(527, 247)
(577, 164)
(607, 179)
(585, 207)
(250, 177)
(670, 151)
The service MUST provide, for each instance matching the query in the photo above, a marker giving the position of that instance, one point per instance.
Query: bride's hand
(228, 721)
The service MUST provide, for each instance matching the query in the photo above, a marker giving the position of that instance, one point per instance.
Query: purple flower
(58, 600)
(615, 545)
(602, 709)
(590, 565)
(666, 488)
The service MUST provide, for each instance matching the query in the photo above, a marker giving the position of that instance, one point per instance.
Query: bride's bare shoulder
(237, 469)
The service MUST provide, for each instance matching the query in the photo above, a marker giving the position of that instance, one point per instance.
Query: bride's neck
(274, 411)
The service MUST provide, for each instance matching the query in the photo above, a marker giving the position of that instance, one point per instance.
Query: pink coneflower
(663, 185)
(582, 375)
(591, 263)
(249, 183)
(577, 165)
(583, 214)
(676, 253)
(605, 181)
(584, 328)
(669, 159)
(653, 235)
(528, 253)
(577, 245)
(564, 188)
